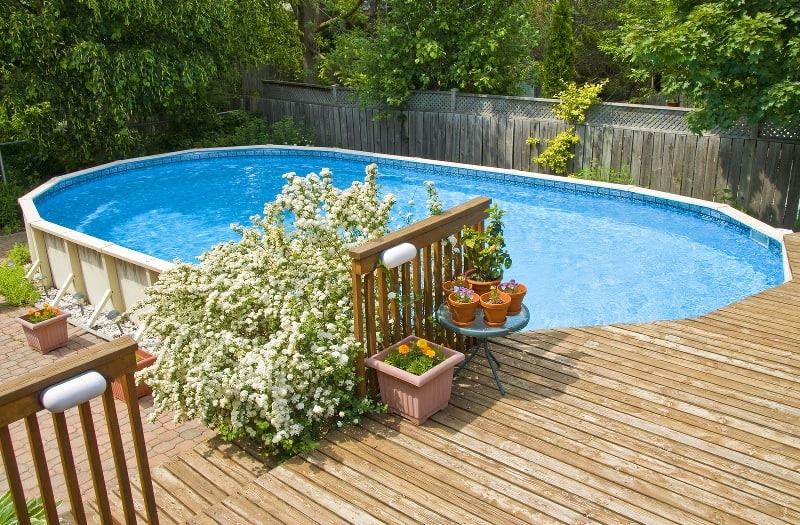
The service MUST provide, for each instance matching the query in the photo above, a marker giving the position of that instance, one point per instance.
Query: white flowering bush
(257, 338)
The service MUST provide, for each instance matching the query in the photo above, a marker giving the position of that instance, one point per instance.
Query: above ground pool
(589, 253)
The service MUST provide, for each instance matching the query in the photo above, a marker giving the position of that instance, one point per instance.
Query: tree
(316, 18)
(480, 47)
(74, 75)
(734, 60)
(558, 66)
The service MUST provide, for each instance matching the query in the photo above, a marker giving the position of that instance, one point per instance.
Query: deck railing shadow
(392, 303)
(21, 400)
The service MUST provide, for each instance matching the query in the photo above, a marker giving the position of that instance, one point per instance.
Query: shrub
(20, 254)
(558, 151)
(257, 338)
(574, 101)
(10, 213)
(558, 66)
(15, 287)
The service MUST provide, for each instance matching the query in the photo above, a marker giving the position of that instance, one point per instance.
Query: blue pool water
(587, 258)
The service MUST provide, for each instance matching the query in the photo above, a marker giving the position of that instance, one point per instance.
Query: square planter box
(46, 335)
(143, 360)
(414, 397)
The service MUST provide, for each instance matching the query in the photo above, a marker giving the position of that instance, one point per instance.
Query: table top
(514, 323)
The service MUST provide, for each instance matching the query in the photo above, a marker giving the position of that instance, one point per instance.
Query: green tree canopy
(558, 67)
(75, 74)
(480, 47)
(734, 59)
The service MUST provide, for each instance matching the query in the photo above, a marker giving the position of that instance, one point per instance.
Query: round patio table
(482, 332)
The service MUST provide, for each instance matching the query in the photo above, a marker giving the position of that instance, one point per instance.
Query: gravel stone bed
(103, 327)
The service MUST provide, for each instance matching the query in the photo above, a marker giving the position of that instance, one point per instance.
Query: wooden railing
(21, 400)
(389, 304)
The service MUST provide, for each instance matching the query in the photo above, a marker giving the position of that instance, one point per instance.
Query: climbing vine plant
(573, 103)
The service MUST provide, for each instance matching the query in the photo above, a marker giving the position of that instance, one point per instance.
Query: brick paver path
(165, 439)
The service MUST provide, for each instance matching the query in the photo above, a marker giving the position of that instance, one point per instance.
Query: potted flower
(495, 306)
(486, 252)
(463, 303)
(46, 328)
(143, 360)
(517, 292)
(459, 281)
(415, 377)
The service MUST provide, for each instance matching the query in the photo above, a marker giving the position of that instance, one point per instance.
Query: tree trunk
(308, 21)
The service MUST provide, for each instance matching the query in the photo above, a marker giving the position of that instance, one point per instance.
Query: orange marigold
(403, 349)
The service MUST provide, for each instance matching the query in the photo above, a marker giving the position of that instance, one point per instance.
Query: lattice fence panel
(430, 101)
(739, 129)
(651, 118)
(491, 106)
(306, 94)
(770, 131)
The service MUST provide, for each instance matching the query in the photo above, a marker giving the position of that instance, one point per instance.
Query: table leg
(475, 350)
(494, 365)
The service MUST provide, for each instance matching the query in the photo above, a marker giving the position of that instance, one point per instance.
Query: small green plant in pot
(486, 251)
(463, 302)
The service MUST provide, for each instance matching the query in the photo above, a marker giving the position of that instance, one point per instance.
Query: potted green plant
(45, 329)
(486, 252)
(495, 306)
(415, 377)
(463, 303)
(517, 292)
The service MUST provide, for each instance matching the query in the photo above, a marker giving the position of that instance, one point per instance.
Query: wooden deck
(689, 421)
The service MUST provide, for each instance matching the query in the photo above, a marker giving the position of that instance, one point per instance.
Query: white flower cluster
(257, 338)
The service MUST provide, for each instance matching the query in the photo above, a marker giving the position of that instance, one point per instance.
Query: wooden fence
(756, 169)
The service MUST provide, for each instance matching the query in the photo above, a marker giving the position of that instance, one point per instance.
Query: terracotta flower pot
(463, 313)
(494, 314)
(415, 397)
(143, 360)
(46, 335)
(481, 287)
(516, 299)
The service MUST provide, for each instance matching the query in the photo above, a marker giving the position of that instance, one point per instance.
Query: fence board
(677, 159)
(475, 131)
(699, 167)
(686, 163)
(509, 141)
(489, 155)
(657, 162)
(616, 149)
(748, 155)
(522, 130)
(451, 126)
(627, 150)
(770, 192)
(793, 194)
